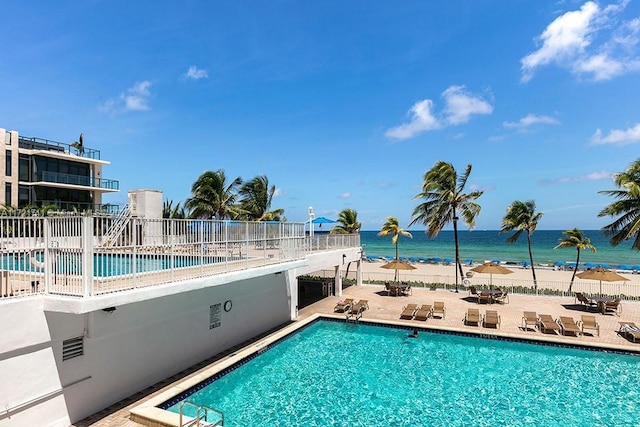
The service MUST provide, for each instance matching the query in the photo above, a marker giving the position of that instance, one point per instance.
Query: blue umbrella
(468, 261)
(413, 258)
(624, 267)
(424, 259)
(447, 260)
(604, 266)
(560, 263)
(590, 264)
(635, 267)
(435, 259)
(495, 261)
(322, 220)
(526, 263)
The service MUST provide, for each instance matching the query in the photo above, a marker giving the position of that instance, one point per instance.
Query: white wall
(126, 351)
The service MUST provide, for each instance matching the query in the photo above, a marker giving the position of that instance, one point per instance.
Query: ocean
(485, 245)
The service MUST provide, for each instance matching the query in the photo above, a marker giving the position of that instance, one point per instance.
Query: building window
(7, 193)
(7, 167)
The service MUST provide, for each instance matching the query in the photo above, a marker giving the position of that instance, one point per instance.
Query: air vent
(73, 347)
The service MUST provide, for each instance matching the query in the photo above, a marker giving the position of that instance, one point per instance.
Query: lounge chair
(394, 290)
(343, 306)
(473, 293)
(589, 322)
(484, 297)
(423, 312)
(546, 323)
(438, 308)
(613, 306)
(582, 299)
(569, 325)
(630, 330)
(502, 298)
(529, 318)
(491, 318)
(472, 317)
(408, 311)
(357, 309)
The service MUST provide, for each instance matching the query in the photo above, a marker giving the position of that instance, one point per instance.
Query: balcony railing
(85, 181)
(33, 143)
(78, 256)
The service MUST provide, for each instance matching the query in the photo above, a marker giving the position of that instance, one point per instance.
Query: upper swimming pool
(333, 374)
(106, 265)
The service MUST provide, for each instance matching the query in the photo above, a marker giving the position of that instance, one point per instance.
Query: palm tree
(444, 200)
(347, 223)
(256, 197)
(522, 216)
(627, 226)
(173, 212)
(213, 197)
(575, 239)
(392, 227)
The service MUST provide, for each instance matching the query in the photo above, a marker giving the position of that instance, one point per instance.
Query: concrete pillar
(292, 292)
(359, 273)
(338, 280)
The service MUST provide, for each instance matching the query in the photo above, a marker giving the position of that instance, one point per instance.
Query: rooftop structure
(39, 172)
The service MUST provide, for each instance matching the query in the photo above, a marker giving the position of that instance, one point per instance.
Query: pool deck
(387, 309)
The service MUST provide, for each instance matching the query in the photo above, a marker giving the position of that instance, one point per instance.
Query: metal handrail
(202, 416)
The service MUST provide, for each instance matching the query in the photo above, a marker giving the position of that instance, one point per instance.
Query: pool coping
(150, 414)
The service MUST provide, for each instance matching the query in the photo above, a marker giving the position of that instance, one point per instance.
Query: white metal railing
(68, 255)
(202, 415)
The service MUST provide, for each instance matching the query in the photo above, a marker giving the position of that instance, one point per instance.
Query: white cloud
(530, 120)
(593, 176)
(422, 119)
(136, 98)
(617, 136)
(346, 195)
(589, 42)
(460, 105)
(279, 192)
(194, 73)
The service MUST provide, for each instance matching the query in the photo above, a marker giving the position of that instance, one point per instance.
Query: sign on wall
(214, 315)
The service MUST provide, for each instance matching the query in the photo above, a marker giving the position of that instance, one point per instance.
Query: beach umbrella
(604, 266)
(491, 268)
(623, 267)
(447, 260)
(495, 261)
(396, 265)
(322, 220)
(526, 263)
(590, 264)
(560, 263)
(601, 274)
(468, 261)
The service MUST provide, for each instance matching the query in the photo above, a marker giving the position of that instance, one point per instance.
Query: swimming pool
(106, 265)
(332, 373)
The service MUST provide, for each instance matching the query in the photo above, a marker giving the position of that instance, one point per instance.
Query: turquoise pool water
(336, 374)
(106, 265)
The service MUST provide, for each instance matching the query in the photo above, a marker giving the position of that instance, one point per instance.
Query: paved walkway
(387, 308)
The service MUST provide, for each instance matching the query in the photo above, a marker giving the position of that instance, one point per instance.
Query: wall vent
(73, 347)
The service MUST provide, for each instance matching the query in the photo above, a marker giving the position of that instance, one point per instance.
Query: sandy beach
(547, 278)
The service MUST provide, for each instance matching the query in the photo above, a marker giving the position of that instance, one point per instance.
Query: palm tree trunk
(533, 269)
(396, 277)
(573, 276)
(455, 237)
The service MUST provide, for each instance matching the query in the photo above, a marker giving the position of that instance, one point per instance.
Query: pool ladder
(205, 416)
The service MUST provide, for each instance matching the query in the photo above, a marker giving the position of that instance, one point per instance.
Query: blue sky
(341, 104)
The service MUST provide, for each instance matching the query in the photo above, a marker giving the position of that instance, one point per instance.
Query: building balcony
(32, 143)
(75, 181)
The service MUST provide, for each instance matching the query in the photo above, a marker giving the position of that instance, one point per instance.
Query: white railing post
(87, 256)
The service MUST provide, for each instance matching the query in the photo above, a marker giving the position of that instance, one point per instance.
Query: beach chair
(484, 297)
(438, 308)
(343, 306)
(472, 317)
(630, 330)
(568, 324)
(423, 312)
(613, 306)
(502, 298)
(529, 318)
(589, 322)
(473, 293)
(491, 319)
(408, 311)
(546, 324)
(357, 309)
(582, 299)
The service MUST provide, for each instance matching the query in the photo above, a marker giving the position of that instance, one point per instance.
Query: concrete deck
(387, 309)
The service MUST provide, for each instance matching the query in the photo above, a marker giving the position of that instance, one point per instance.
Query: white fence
(625, 290)
(84, 256)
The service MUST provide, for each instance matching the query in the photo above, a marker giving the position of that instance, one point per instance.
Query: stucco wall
(126, 350)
